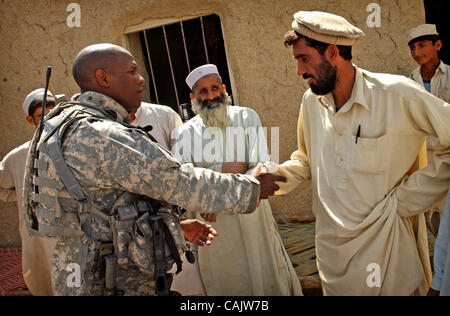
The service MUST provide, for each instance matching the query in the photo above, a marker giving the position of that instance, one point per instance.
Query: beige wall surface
(35, 34)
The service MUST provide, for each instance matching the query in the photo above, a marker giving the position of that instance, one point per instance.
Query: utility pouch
(122, 225)
(109, 284)
(141, 248)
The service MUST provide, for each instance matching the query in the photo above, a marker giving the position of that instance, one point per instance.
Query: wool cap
(326, 27)
(421, 30)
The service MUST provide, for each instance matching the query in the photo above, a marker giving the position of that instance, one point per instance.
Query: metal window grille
(172, 51)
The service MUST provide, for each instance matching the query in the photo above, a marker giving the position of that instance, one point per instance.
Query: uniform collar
(358, 95)
(105, 103)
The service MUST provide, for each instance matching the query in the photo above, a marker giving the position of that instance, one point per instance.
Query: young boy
(432, 73)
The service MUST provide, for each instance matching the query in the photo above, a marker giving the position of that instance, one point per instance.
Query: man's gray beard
(215, 116)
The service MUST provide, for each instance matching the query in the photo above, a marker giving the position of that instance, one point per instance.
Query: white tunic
(247, 257)
(163, 120)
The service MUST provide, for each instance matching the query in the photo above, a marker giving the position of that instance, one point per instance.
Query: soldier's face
(126, 84)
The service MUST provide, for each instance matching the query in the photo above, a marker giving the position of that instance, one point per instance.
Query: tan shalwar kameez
(363, 198)
(35, 250)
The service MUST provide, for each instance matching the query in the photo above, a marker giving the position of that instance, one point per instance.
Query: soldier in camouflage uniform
(113, 161)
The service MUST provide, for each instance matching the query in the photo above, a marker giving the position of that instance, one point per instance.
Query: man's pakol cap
(326, 27)
(32, 96)
(421, 30)
(200, 72)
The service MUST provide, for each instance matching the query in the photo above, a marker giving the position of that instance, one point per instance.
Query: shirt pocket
(370, 155)
(444, 94)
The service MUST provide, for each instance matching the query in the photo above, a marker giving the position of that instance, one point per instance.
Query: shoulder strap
(52, 147)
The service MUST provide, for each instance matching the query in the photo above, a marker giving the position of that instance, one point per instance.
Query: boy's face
(424, 51)
(36, 117)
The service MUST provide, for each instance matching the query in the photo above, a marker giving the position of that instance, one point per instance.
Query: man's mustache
(306, 76)
(216, 100)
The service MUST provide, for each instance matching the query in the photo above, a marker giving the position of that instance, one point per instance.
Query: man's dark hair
(38, 101)
(433, 38)
(292, 37)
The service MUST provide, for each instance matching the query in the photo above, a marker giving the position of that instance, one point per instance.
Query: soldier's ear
(101, 77)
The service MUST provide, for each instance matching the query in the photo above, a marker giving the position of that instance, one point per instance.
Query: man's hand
(209, 217)
(267, 184)
(198, 232)
(234, 167)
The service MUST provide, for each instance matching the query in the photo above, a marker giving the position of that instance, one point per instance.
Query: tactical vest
(144, 231)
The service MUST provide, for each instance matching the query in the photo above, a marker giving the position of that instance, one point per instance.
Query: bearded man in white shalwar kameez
(248, 257)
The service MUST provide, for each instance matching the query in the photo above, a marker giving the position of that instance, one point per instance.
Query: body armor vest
(143, 230)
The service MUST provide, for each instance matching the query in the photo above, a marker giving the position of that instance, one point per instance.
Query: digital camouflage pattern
(69, 250)
(108, 159)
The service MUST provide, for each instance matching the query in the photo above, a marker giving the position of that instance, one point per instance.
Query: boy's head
(424, 43)
(33, 105)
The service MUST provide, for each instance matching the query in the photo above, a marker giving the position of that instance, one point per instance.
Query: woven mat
(298, 239)
(11, 279)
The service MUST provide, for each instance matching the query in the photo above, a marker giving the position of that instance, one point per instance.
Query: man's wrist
(254, 198)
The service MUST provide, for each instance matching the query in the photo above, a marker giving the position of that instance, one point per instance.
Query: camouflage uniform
(108, 159)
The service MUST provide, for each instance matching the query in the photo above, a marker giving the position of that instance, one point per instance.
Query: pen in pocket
(358, 134)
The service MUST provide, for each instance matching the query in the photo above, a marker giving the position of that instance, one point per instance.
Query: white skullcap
(422, 30)
(32, 96)
(200, 72)
(326, 27)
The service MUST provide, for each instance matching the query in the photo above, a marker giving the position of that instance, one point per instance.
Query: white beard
(216, 116)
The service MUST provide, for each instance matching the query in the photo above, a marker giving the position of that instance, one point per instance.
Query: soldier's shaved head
(111, 70)
(98, 56)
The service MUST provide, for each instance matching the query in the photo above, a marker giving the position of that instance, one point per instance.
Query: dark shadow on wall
(437, 12)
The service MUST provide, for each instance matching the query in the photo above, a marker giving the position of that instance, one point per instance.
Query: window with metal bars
(172, 51)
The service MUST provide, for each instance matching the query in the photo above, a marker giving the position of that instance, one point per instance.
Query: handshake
(261, 173)
(202, 234)
(267, 180)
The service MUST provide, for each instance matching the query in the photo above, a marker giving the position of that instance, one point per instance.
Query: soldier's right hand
(267, 184)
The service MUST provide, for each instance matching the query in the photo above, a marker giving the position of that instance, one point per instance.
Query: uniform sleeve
(296, 169)
(426, 187)
(126, 159)
(7, 189)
